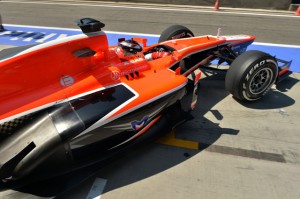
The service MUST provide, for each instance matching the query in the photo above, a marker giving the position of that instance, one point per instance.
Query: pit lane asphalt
(267, 26)
(249, 150)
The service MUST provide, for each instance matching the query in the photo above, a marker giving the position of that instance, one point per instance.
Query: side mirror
(88, 25)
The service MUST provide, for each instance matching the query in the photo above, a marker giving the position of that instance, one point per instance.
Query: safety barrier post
(216, 8)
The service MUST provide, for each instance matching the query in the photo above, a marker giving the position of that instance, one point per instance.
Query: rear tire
(175, 32)
(251, 75)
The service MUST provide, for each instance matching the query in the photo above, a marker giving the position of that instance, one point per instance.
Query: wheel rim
(261, 81)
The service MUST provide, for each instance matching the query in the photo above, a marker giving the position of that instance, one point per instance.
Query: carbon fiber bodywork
(60, 130)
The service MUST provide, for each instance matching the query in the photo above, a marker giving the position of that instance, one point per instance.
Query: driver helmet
(129, 49)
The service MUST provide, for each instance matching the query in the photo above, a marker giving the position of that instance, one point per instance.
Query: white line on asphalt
(124, 6)
(141, 34)
(97, 189)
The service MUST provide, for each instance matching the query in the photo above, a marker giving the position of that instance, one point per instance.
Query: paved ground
(267, 26)
(247, 150)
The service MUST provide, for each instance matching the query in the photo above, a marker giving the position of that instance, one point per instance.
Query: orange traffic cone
(216, 8)
(297, 13)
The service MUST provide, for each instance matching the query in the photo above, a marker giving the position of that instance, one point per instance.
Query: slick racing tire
(251, 75)
(175, 32)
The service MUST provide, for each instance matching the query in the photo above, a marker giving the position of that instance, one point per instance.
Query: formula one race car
(76, 100)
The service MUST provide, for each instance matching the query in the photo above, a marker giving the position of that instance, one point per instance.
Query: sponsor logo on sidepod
(138, 125)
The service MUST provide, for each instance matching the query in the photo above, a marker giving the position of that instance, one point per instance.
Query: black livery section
(94, 106)
(74, 117)
(45, 131)
(56, 133)
(120, 131)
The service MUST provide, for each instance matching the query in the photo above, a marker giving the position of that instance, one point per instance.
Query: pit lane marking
(170, 140)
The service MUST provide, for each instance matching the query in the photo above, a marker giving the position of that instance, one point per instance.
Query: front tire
(175, 32)
(251, 75)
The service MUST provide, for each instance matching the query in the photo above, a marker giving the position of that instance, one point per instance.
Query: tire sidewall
(242, 71)
(175, 32)
(181, 34)
(261, 65)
